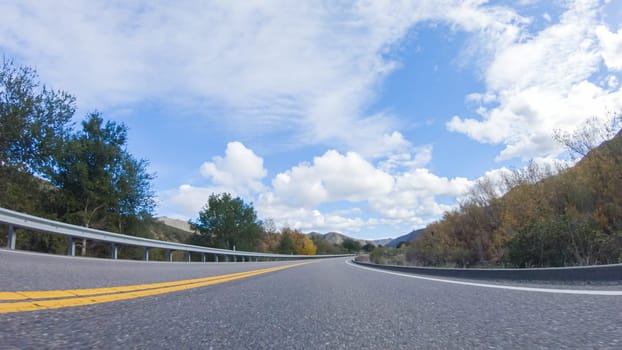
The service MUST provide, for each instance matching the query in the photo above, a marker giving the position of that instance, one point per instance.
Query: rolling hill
(405, 238)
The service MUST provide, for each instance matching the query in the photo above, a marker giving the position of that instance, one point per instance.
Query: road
(326, 304)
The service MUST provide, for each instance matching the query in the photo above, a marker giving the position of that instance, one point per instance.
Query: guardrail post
(146, 254)
(115, 251)
(11, 241)
(169, 255)
(203, 257)
(188, 256)
(215, 257)
(235, 258)
(71, 246)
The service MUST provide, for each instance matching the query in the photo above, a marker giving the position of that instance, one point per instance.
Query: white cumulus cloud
(240, 170)
(611, 46)
(415, 196)
(331, 177)
(544, 82)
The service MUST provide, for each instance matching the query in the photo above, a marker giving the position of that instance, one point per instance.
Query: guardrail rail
(16, 220)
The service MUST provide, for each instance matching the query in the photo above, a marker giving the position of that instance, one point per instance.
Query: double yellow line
(55, 299)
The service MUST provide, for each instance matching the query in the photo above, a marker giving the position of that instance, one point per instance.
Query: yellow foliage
(305, 246)
(301, 244)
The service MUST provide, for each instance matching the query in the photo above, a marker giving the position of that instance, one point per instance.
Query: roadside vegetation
(546, 216)
(80, 175)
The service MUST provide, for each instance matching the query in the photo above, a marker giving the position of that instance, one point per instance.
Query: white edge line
(496, 286)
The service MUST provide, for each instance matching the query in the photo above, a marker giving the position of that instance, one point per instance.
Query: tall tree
(33, 125)
(132, 185)
(102, 183)
(33, 119)
(91, 178)
(227, 222)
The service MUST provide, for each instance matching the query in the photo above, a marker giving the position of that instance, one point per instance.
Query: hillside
(337, 238)
(382, 241)
(547, 218)
(176, 223)
(170, 230)
(394, 243)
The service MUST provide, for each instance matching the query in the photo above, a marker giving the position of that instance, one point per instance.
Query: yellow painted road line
(80, 297)
(68, 293)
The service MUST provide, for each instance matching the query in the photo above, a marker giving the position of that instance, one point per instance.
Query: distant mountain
(382, 242)
(178, 224)
(405, 238)
(170, 230)
(336, 238)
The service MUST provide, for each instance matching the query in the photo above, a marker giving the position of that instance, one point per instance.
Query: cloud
(414, 196)
(542, 83)
(240, 171)
(272, 64)
(302, 67)
(391, 192)
(309, 219)
(611, 47)
(331, 177)
(394, 194)
(185, 201)
(415, 158)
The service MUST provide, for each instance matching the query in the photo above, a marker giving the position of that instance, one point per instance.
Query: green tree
(351, 246)
(132, 185)
(86, 178)
(286, 244)
(33, 125)
(86, 169)
(33, 119)
(368, 248)
(102, 185)
(226, 222)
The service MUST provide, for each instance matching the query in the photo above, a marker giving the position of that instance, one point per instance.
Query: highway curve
(326, 304)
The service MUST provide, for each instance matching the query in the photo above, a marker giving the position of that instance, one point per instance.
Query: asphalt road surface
(326, 304)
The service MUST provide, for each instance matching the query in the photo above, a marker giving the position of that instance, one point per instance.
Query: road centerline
(21, 301)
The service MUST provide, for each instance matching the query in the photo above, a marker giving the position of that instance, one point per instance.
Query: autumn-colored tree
(549, 216)
(269, 239)
(295, 242)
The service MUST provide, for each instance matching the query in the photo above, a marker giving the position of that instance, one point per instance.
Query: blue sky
(369, 118)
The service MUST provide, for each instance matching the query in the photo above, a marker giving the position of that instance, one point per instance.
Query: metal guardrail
(581, 274)
(20, 220)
